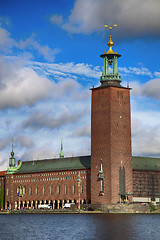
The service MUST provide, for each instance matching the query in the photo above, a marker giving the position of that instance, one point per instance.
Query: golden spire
(110, 42)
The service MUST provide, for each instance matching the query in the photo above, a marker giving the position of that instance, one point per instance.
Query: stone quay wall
(119, 208)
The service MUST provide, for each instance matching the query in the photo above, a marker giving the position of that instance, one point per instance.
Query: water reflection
(114, 227)
(80, 227)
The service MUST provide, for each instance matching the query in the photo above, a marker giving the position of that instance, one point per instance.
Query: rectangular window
(7, 192)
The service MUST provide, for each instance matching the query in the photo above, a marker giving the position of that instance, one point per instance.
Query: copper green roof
(57, 164)
(82, 162)
(146, 163)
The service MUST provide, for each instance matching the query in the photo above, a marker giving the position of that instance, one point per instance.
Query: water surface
(80, 226)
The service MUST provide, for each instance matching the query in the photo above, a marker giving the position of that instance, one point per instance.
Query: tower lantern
(110, 59)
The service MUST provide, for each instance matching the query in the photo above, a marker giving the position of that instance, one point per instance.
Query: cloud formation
(8, 44)
(45, 51)
(70, 69)
(149, 89)
(21, 85)
(56, 19)
(133, 17)
(43, 120)
(24, 141)
(143, 71)
(83, 131)
(145, 134)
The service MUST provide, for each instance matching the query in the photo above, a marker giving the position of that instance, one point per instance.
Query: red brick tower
(111, 157)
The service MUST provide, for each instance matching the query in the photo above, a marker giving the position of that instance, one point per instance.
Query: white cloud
(136, 71)
(23, 141)
(45, 51)
(157, 74)
(151, 89)
(45, 120)
(21, 85)
(56, 19)
(146, 133)
(6, 42)
(136, 88)
(83, 131)
(67, 69)
(88, 16)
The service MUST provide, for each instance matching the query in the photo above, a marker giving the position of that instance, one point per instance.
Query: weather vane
(110, 42)
(110, 28)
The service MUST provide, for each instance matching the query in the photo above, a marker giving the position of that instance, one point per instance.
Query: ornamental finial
(110, 42)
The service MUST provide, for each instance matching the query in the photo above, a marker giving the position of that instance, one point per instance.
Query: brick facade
(110, 141)
(146, 184)
(55, 188)
(51, 188)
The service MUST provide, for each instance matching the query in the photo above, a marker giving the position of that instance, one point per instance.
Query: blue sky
(50, 57)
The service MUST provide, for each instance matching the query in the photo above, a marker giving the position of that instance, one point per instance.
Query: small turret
(61, 155)
(12, 158)
(12, 163)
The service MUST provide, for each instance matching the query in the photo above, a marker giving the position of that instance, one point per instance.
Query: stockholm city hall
(110, 175)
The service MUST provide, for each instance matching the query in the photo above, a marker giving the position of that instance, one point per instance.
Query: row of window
(48, 179)
(22, 190)
(50, 174)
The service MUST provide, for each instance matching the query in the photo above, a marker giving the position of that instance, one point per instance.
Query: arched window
(30, 190)
(21, 190)
(37, 189)
(58, 189)
(24, 190)
(18, 190)
(51, 189)
(43, 189)
(81, 188)
(65, 188)
(74, 189)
